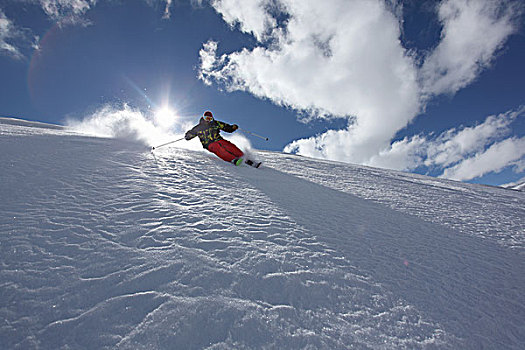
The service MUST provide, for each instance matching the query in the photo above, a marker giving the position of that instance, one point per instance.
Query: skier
(208, 131)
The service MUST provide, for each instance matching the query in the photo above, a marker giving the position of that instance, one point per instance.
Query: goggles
(208, 116)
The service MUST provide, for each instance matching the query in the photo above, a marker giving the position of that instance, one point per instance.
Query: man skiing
(208, 131)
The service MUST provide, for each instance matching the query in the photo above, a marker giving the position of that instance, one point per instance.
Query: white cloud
(463, 153)
(168, 5)
(67, 11)
(14, 38)
(494, 159)
(8, 34)
(454, 145)
(251, 16)
(208, 62)
(167, 13)
(406, 154)
(344, 59)
(71, 12)
(473, 32)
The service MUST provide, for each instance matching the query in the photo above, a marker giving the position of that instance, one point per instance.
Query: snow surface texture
(104, 244)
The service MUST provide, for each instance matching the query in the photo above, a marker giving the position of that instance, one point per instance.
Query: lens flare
(165, 117)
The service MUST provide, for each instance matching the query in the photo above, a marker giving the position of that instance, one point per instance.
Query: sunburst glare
(165, 117)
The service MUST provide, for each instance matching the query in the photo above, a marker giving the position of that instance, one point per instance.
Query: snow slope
(104, 244)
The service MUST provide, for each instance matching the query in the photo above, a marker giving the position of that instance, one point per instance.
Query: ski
(252, 163)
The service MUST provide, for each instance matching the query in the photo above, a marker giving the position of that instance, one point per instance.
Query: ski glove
(235, 127)
(188, 136)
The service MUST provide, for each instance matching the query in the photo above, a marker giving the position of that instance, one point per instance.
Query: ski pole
(254, 134)
(167, 143)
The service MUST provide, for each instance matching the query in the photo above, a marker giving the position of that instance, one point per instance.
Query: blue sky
(432, 87)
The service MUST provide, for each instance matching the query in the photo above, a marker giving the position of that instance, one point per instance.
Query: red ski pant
(225, 150)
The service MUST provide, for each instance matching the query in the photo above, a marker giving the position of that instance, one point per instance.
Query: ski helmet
(208, 116)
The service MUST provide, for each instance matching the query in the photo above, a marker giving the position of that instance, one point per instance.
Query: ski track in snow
(106, 245)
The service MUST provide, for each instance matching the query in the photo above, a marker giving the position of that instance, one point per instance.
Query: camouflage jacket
(208, 132)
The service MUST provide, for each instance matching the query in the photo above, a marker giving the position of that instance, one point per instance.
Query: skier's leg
(231, 148)
(225, 150)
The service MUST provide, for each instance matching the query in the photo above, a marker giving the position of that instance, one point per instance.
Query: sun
(165, 117)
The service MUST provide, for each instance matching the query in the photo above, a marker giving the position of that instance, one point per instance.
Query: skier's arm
(227, 127)
(191, 133)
